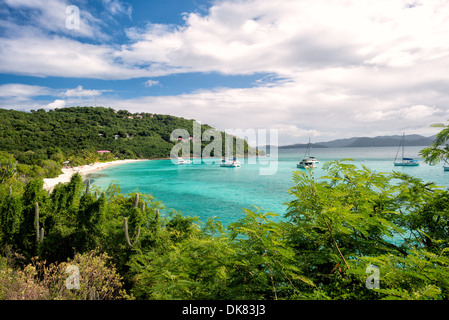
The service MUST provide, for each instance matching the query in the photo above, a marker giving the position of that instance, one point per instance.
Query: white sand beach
(50, 183)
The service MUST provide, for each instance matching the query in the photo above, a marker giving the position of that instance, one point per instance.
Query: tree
(439, 149)
(8, 167)
(354, 217)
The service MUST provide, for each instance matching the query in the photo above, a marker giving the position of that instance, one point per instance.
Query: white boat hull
(183, 162)
(309, 162)
(305, 165)
(230, 163)
(406, 164)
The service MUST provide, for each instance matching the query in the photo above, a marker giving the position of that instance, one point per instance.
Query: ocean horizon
(207, 190)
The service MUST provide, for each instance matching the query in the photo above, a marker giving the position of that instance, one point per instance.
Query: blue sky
(307, 68)
(134, 14)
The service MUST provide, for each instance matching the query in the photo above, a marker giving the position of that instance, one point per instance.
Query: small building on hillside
(103, 151)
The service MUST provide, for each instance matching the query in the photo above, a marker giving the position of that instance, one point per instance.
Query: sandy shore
(50, 183)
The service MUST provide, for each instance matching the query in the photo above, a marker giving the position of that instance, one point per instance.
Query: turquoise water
(208, 190)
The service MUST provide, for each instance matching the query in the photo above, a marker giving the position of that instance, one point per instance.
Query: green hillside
(41, 141)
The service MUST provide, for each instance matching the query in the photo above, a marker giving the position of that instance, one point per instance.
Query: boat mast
(307, 150)
(403, 140)
(400, 145)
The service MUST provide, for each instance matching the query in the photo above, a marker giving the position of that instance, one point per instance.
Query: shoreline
(85, 170)
(50, 183)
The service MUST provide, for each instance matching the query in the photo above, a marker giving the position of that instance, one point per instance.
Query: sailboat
(227, 162)
(308, 161)
(181, 161)
(404, 162)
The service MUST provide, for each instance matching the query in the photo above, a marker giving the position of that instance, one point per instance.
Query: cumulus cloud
(55, 104)
(285, 37)
(80, 92)
(337, 66)
(245, 37)
(293, 131)
(417, 112)
(57, 56)
(51, 16)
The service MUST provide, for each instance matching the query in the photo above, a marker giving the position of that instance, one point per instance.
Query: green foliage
(11, 219)
(439, 149)
(41, 141)
(8, 167)
(420, 275)
(334, 228)
(265, 263)
(354, 217)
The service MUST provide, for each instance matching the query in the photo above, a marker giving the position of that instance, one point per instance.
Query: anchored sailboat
(308, 161)
(181, 161)
(226, 162)
(404, 162)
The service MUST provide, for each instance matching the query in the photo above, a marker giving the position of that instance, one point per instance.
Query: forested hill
(77, 133)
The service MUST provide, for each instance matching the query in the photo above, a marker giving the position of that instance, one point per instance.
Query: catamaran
(182, 161)
(404, 162)
(308, 161)
(230, 163)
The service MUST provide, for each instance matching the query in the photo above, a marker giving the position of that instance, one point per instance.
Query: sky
(316, 69)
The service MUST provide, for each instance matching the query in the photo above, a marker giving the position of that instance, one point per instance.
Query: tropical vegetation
(337, 230)
(42, 142)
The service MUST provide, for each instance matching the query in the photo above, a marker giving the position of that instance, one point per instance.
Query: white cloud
(294, 131)
(300, 111)
(151, 83)
(50, 15)
(80, 92)
(55, 104)
(286, 37)
(117, 7)
(24, 91)
(61, 57)
(244, 37)
(341, 68)
(416, 112)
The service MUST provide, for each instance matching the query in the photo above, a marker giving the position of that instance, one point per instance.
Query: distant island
(380, 141)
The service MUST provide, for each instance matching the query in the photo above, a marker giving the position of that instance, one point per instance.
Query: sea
(206, 190)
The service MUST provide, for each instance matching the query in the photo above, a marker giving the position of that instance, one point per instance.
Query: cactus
(136, 200)
(87, 186)
(39, 231)
(93, 294)
(41, 236)
(128, 242)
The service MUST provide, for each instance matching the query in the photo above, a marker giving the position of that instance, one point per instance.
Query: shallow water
(208, 190)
